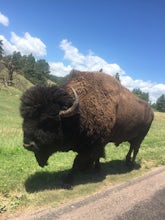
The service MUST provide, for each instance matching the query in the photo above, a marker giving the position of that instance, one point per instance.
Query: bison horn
(31, 147)
(72, 110)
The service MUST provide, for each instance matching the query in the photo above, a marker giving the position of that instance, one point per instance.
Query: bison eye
(49, 125)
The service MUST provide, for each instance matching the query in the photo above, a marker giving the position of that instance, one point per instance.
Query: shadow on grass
(45, 180)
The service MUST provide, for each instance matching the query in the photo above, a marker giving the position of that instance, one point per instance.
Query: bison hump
(98, 99)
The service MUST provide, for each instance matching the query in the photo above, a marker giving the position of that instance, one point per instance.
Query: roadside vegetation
(24, 185)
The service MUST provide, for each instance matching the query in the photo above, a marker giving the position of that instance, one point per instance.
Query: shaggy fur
(107, 112)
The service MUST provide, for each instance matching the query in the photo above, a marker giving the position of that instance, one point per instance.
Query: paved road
(140, 199)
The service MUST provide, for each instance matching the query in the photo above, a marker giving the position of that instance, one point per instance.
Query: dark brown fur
(107, 112)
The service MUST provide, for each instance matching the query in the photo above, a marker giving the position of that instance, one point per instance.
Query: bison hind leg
(130, 161)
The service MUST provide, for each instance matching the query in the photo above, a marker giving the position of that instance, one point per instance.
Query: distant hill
(26, 71)
(19, 82)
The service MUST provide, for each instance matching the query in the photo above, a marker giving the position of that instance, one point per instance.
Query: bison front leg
(86, 162)
(82, 162)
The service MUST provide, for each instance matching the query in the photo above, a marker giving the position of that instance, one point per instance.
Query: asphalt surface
(140, 199)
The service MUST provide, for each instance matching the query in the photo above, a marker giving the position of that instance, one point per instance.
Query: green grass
(24, 185)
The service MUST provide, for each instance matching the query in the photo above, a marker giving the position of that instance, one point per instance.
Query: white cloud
(130, 83)
(91, 62)
(59, 69)
(25, 45)
(7, 46)
(82, 62)
(28, 44)
(71, 53)
(4, 20)
(155, 90)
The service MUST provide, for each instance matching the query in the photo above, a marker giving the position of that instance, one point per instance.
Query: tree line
(160, 102)
(159, 105)
(38, 72)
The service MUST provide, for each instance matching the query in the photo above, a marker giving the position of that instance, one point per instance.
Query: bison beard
(83, 115)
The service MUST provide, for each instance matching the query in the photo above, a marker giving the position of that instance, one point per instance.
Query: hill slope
(19, 81)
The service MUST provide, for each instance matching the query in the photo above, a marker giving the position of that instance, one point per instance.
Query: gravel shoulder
(141, 198)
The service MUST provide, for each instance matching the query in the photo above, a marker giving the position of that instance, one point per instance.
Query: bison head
(42, 109)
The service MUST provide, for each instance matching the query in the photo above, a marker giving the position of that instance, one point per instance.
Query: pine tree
(140, 94)
(160, 103)
(117, 76)
(1, 49)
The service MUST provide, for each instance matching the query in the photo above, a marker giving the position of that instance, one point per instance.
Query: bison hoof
(97, 166)
(133, 165)
(67, 186)
(129, 164)
(68, 181)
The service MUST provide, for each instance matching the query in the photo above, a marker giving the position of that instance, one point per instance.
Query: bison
(88, 111)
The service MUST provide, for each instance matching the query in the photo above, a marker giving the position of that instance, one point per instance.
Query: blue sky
(125, 36)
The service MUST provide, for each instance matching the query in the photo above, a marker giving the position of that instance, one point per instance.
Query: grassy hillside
(19, 82)
(24, 185)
